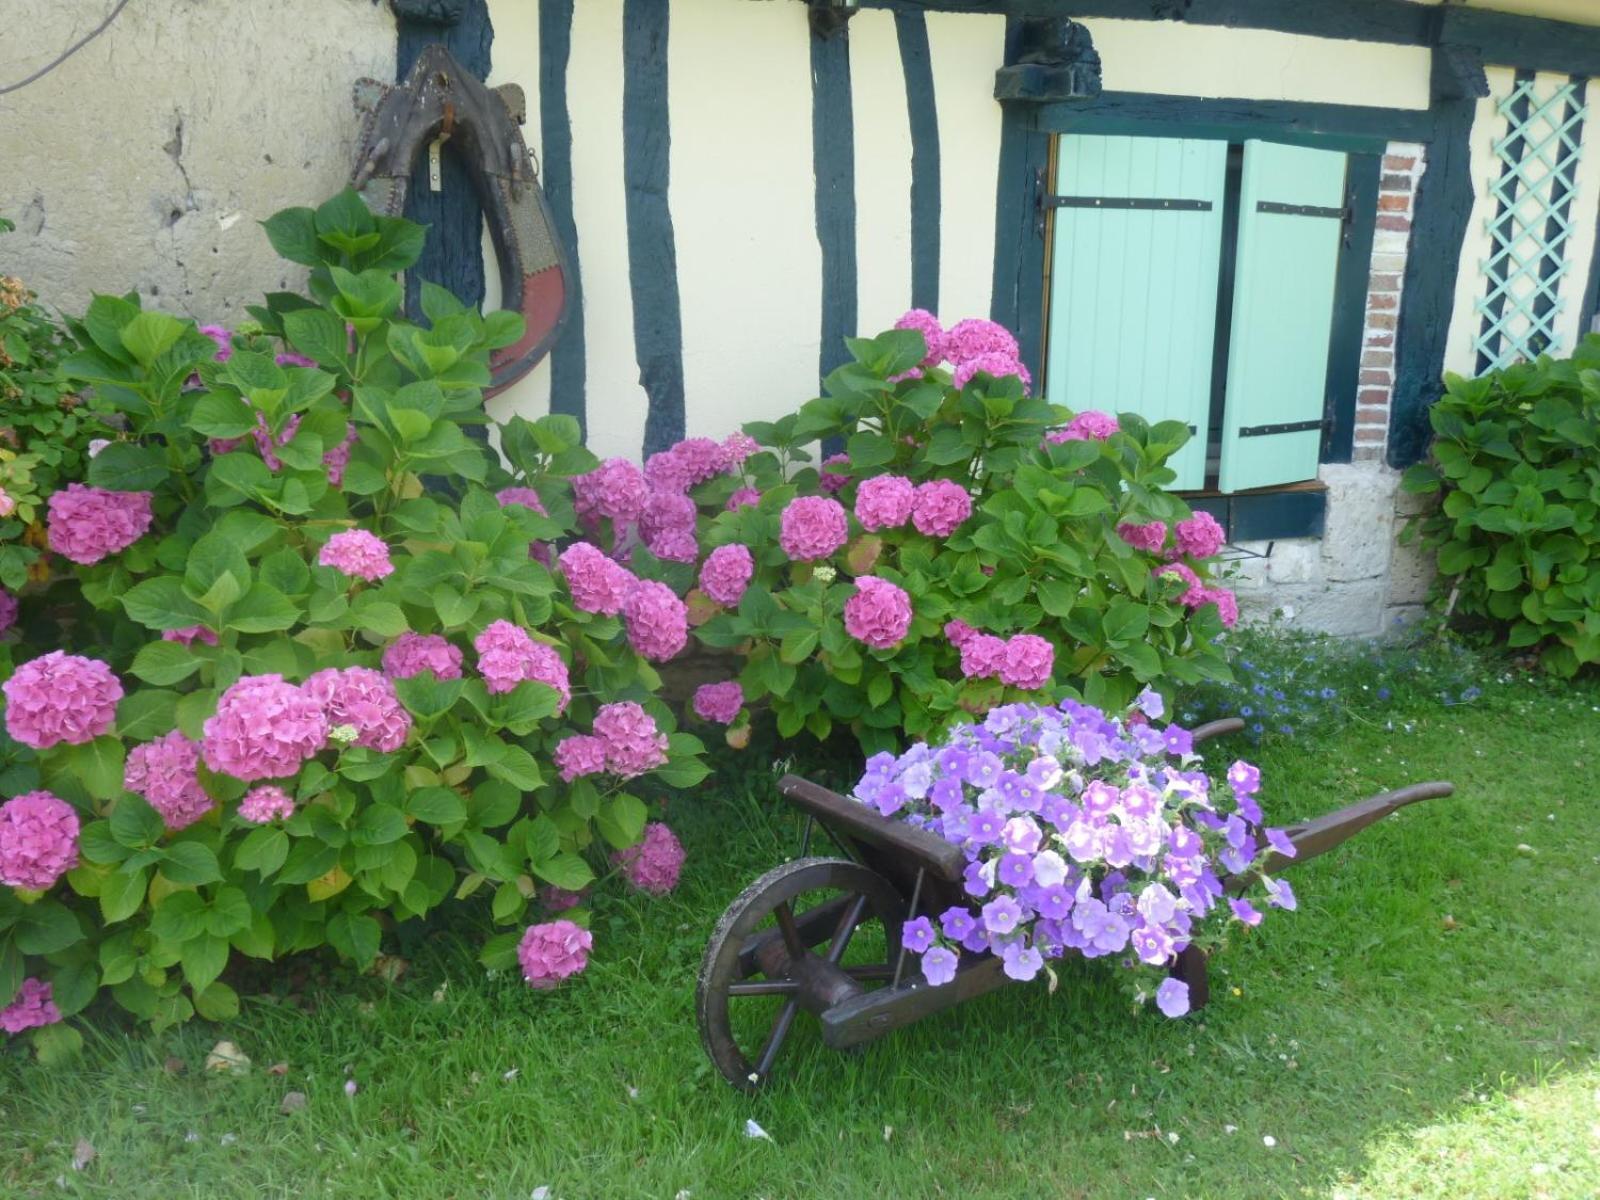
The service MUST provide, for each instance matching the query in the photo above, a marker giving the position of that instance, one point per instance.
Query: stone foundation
(1355, 580)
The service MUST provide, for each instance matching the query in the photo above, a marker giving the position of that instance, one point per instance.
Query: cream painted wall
(146, 160)
(1256, 64)
(883, 171)
(966, 50)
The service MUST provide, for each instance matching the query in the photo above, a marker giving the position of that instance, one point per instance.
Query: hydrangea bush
(1085, 833)
(971, 547)
(322, 679)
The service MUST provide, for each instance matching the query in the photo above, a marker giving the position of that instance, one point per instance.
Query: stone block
(1360, 528)
(1411, 571)
(1344, 609)
(1295, 561)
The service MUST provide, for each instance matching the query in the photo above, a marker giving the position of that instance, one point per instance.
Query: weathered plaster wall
(146, 159)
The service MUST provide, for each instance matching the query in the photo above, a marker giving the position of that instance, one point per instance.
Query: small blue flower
(1247, 711)
(1257, 728)
(1383, 693)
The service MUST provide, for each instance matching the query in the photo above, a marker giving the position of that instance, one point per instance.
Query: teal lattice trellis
(1532, 226)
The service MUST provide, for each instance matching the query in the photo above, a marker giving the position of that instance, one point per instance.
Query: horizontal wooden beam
(1331, 126)
(1508, 40)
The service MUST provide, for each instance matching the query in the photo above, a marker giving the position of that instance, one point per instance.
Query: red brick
(1396, 183)
(1372, 396)
(1380, 341)
(1394, 203)
(1391, 221)
(1383, 302)
(1368, 454)
(1369, 437)
(1382, 378)
(1377, 358)
(1379, 321)
(1398, 162)
(1372, 414)
(1383, 283)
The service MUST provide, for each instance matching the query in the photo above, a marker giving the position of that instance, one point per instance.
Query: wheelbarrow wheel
(790, 942)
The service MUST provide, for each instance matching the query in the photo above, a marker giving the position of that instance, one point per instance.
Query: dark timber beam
(1508, 40)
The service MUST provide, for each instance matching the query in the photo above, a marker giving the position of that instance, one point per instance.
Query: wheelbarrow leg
(1190, 968)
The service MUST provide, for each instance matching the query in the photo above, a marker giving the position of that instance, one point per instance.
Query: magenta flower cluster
(616, 491)
(656, 620)
(1199, 537)
(580, 754)
(507, 656)
(166, 772)
(1197, 593)
(358, 554)
(266, 804)
(1149, 537)
(884, 502)
(411, 654)
(1024, 660)
(553, 951)
(1083, 833)
(189, 635)
(719, 703)
(812, 527)
(365, 700)
(38, 840)
(87, 524)
(633, 742)
(653, 863)
(1091, 425)
(970, 347)
(33, 1007)
(939, 506)
(726, 574)
(264, 728)
(879, 613)
(60, 697)
(598, 584)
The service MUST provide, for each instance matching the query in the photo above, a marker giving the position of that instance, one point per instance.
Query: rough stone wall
(145, 160)
(1356, 579)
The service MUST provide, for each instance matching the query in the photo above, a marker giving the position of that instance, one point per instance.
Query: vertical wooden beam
(911, 29)
(568, 364)
(652, 249)
(833, 157)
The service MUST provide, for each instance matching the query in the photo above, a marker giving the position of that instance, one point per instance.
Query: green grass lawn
(1427, 1024)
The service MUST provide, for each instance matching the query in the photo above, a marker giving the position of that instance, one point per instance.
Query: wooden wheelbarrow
(790, 933)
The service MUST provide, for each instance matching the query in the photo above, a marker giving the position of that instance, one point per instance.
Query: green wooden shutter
(1291, 207)
(1133, 289)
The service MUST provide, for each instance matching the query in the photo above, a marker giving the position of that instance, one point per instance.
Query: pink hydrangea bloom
(634, 744)
(812, 527)
(998, 366)
(969, 339)
(364, 698)
(925, 323)
(60, 697)
(616, 490)
(580, 754)
(657, 621)
(8, 610)
(833, 481)
(598, 584)
(1227, 604)
(959, 633)
(559, 899)
(265, 728)
(1028, 662)
(884, 502)
(667, 526)
(654, 863)
(939, 506)
(687, 464)
(737, 447)
(1194, 594)
(1149, 537)
(524, 496)
(1200, 536)
(358, 554)
(743, 496)
(86, 524)
(38, 840)
(726, 573)
(719, 702)
(266, 804)
(166, 773)
(1089, 425)
(224, 340)
(32, 1008)
(983, 656)
(507, 656)
(879, 614)
(189, 635)
(413, 653)
(553, 951)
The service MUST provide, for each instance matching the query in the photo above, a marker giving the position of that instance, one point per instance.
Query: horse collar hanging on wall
(440, 99)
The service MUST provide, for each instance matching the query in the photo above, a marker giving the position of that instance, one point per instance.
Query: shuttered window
(1197, 281)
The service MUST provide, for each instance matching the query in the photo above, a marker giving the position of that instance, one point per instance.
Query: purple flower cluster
(87, 524)
(652, 864)
(60, 697)
(1082, 832)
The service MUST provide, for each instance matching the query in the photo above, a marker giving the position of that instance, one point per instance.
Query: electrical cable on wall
(67, 53)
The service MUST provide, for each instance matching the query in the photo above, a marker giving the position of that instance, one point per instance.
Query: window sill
(1295, 510)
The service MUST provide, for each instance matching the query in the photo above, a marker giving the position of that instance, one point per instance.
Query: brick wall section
(1402, 168)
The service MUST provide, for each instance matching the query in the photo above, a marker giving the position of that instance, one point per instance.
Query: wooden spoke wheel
(807, 935)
